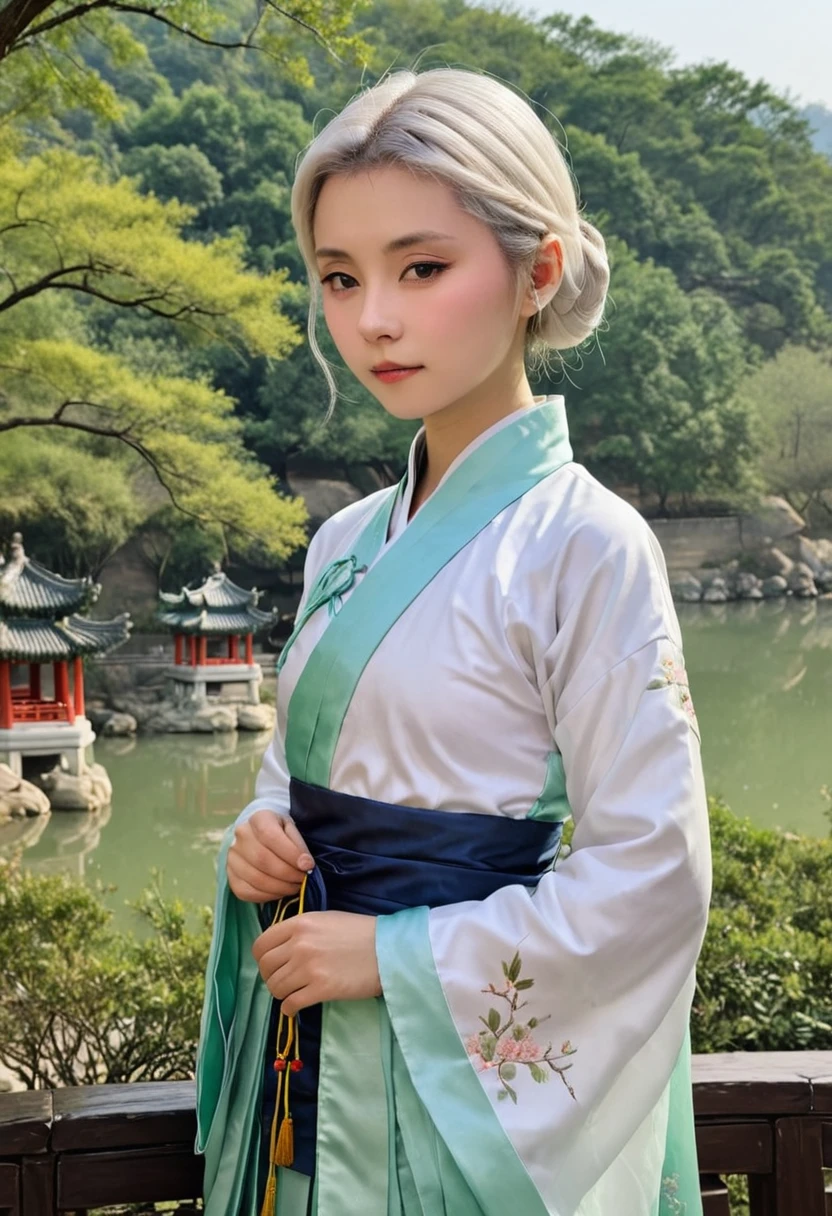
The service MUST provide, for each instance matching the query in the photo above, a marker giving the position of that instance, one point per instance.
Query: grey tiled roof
(28, 589)
(217, 591)
(192, 620)
(40, 640)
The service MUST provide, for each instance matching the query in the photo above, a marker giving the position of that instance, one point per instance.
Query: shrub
(765, 975)
(81, 1002)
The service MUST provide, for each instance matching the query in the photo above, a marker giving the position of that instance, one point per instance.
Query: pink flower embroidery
(675, 676)
(507, 1042)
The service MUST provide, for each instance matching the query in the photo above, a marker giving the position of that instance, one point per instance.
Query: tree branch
(25, 36)
(58, 420)
(42, 284)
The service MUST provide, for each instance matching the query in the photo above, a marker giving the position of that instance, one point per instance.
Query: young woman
(409, 1011)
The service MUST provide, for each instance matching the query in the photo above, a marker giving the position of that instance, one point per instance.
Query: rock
(190, 718)
(823, 579)
(686, 588)
(119, 725)
(747, 586)
(774, 586)
(801, 582)
(98, 716)
(766, 563)
(816, 554)
(19, 798)
(255, 717)
(775, 520)
(88, 791)
(717, 592)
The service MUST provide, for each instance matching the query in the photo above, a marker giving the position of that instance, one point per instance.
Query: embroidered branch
(507, 1041)
(675, 676)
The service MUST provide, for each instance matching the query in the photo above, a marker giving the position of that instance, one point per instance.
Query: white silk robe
(543, 663)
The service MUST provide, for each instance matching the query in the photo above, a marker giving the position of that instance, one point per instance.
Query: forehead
(373, 207)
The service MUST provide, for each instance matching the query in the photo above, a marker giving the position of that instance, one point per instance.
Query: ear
(546, 276)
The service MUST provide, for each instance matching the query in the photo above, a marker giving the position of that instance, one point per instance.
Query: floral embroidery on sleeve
(507, 1042)
(675, 676)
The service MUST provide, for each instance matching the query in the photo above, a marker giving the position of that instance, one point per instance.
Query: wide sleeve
(570, 1004)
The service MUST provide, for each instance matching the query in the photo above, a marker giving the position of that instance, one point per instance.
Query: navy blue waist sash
(376, 858)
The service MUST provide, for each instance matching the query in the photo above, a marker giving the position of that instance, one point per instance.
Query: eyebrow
(400, 242)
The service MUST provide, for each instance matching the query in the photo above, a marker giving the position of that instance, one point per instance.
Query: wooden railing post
(799, 1167)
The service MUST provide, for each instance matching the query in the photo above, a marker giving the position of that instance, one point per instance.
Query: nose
(379, 319)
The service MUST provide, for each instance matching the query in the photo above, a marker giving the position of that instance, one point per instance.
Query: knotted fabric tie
(331, 585)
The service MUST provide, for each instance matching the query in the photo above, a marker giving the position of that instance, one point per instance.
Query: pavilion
(41, 626)
(208, 623)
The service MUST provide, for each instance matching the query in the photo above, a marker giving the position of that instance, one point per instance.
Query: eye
(345, 281)
(425, 271)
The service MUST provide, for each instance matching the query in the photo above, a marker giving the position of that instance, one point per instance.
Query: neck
(449, 432)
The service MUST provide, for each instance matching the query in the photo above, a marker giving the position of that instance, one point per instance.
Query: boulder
(717, 592)
(747, 586)
(801, 582)
(816, 554)
(775, 520)
(255, 717)
(190, 718)
(88, 791)
(98, 716)
(766, 563)
(686, 588)
(19, 798)
(823, 579)
(118, 725)
(774, 587)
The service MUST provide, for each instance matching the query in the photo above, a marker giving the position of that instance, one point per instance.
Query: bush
(81, 1002)
(765, 975)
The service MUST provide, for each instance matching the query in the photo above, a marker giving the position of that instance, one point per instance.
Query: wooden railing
(768, 1116)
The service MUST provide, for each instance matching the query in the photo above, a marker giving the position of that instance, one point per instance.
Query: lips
(389, 373)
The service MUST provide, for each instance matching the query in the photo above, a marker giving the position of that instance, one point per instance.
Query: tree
(656, 405)
(792, 398)
(67, 230)
(44, 69)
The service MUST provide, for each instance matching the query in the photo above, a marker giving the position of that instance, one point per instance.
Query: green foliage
(78, 507)
(655, 405)
(45, 47)
(765, 975)
(73, 232)
(792, 397)
(80, 1002)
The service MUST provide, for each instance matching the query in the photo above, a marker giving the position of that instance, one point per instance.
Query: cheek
(472, 307)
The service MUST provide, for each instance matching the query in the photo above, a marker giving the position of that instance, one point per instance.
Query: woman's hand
(268, 858)
(319, 956)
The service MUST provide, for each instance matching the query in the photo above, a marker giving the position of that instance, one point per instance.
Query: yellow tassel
(285, 1154)
(268, 1208)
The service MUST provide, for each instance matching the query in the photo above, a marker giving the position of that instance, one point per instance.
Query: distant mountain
(820, 120)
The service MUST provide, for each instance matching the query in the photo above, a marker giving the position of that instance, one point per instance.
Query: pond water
(761, 675)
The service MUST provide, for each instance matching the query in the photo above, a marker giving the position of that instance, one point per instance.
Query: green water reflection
(761, 676)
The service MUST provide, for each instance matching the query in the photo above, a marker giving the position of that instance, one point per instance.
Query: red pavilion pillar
(249, 649)
(203, 651)
(61, 670)
(80, 706)
(177, 649)
(192, 650)
(234, 648)
(34, 681)
(6, 707)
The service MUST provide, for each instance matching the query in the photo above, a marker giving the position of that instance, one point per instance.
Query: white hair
(486, 143)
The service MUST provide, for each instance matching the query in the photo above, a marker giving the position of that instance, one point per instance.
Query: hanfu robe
(512, 650)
